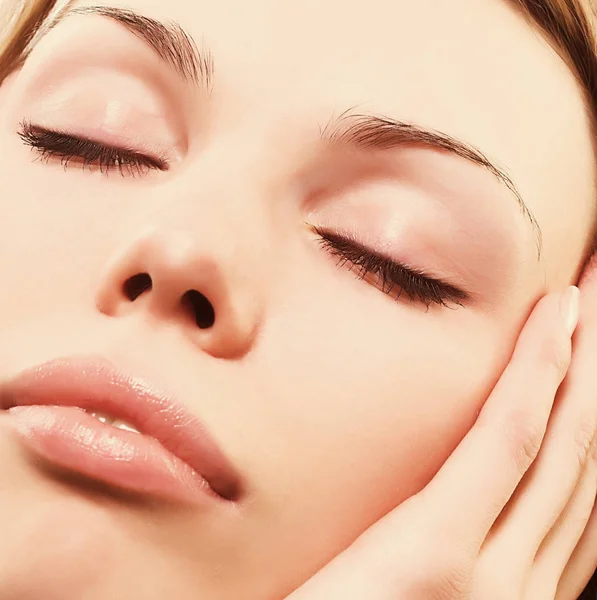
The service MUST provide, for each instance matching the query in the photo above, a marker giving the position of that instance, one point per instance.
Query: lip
(95, 384)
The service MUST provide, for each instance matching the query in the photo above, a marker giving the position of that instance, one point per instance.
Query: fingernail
(569, 308)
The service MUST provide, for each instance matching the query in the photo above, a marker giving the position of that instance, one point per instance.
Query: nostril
(202, 308)
(136, 285)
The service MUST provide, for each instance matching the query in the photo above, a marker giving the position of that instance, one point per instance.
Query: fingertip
(546, 338)
(569, 308)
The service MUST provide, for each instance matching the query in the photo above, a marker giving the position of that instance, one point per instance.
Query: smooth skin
(511, 514)
(335, 401)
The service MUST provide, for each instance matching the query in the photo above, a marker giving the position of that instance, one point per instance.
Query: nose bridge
(213, 221)
(202, 255)
(224, 197)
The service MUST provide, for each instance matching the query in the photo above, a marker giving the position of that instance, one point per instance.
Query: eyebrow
(178, 49)
(168, 40)
(372, 132)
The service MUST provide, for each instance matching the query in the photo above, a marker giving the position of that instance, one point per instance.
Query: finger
(468, 493)
(558, 547)
(583, 562)
(545, 490)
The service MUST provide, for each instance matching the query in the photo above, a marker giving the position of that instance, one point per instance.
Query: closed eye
(389, 276)
(70, 149)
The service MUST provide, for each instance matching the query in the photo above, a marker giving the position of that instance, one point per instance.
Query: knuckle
(524, 433)
(489, 580)
(584, 438)
(556, 355)
(443, 581)
(439, 571)
(454, 584)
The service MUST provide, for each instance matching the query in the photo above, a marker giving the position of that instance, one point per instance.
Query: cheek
(54, 238)
(376, 397)
(45, 261)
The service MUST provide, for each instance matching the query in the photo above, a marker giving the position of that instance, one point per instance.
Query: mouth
(83, 414)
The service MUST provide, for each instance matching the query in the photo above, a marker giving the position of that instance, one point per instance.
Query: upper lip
(95, 384)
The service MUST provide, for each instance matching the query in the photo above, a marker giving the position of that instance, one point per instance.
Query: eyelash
(393, 278)
(54, 144)
(418, 286)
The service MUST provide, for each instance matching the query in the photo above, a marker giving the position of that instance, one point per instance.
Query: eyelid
(119, 111)
(98, 49)
(30, 129)
(417, 284)
(53, 143)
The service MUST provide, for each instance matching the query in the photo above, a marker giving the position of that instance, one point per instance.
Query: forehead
(474, 69)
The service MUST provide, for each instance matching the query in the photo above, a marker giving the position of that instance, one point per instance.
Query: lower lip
(72, 439)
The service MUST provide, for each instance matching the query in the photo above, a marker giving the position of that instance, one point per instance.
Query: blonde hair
(21, 23)
(568, 25)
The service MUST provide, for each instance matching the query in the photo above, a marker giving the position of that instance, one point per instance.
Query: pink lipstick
(62, 410)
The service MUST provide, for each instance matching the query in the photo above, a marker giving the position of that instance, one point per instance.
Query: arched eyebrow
(178, 49)
(372, 132)
(168, 40)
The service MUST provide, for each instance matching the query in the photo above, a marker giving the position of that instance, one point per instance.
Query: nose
(175, 278)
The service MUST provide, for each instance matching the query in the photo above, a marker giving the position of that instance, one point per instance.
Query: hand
(503, 516)
(583, 562)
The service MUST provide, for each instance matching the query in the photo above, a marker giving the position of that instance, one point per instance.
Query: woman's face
(335, 397)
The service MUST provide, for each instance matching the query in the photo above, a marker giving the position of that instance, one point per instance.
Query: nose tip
(192, 301)
(179, 281)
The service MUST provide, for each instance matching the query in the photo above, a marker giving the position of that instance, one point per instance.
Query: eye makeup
(107, 106)
(87, 152)
(421, 219)
(390, 276)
